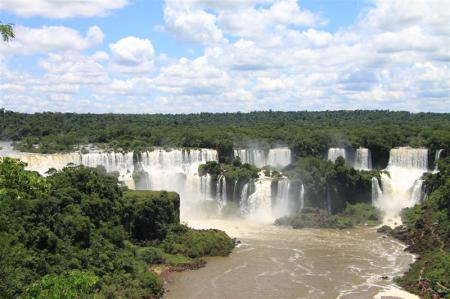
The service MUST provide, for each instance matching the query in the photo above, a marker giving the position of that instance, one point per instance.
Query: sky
(189, 56)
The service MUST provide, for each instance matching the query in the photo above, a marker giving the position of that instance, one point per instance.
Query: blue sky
(234, 55)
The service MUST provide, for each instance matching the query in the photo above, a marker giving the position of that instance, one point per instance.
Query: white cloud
(274, 55)
(252, 22)
(132, 55)
(51, 38)
(190, 23)
(61, 9)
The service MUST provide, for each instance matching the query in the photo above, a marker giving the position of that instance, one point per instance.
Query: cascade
(275, 157)
(256, 157)
(282, 206)
(400, 187)
(376, 190)
(302, 197)
(43, 162)
(243, 203)
(235, 189)
(335, 152)
(113, 162)
(259, 203)
(171, 170)
(416, 194)
(279, 157)
(223, 195)
(436, 158)
(363, 159)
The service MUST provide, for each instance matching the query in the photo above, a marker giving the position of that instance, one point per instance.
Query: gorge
(245, 178)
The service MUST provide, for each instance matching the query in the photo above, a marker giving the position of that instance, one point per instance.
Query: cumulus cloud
(270, 54)
(61, 9)
(190, 23)
(132, 55)
(51, 38)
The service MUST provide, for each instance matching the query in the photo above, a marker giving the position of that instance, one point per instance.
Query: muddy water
(280, 262)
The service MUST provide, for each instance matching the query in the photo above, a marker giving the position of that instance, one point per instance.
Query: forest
(306, 133)
(77, 234)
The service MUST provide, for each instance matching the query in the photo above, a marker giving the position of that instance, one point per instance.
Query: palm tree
(7, 32)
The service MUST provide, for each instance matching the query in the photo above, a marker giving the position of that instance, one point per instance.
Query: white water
(335, 152)
(402, 187)
(259, 204)
(436, 158)
(282, 204)
(376, 190)
(256, 157)
(275, 157)
(302, 197)
(279, 157)
(171, 170)
(362, 159)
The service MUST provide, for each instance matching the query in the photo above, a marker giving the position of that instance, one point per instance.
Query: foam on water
(401, 188)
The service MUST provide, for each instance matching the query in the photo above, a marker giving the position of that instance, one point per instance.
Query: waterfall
(255, 157)
(416, 194)
(302, 197)
(259, 203)
(282, 204)
(406, 166)
(436, 158)
(223, 195)
(171, 170)
(275, 157)
(235, 189)
(279, 157)
(363, 159)
(243, 203)
(335, 152)
(376, 190)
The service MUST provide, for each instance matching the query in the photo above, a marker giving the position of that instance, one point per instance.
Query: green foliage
(334, 181)
(149, 213)
(353, 215)
(240, 172)
(429, 275)
(308, 133)
(362, 214)
(211, 167)
(73, 284)
(15, 183)
(426, 231)
(7, 32)
(151, 255)
(197, 243)
(76, 232)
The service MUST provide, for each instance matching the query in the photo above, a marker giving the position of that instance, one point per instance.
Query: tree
(7, 32)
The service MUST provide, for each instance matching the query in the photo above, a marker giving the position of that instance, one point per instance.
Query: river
(280, 262)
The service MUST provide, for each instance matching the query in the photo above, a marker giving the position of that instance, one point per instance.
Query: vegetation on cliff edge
(76, 234)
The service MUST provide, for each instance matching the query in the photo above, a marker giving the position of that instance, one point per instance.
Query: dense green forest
(76, 234)
(306, 133)
(426, 231)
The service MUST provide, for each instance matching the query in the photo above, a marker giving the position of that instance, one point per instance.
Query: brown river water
(280, 262)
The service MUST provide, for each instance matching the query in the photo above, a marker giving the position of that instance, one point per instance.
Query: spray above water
(275, 157)
(360, 158)
(402, 187)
